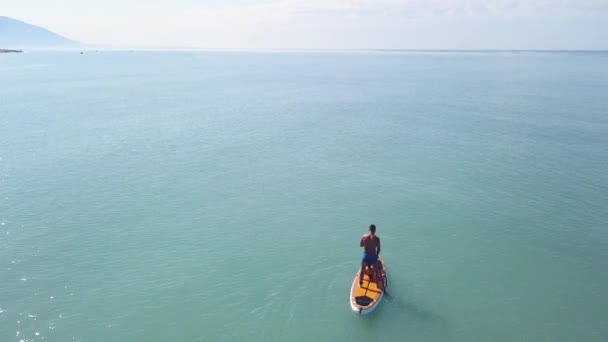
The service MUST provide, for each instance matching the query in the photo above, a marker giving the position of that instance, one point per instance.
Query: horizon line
(85, 47)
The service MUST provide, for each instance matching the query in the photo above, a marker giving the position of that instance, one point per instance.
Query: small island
(7, 51)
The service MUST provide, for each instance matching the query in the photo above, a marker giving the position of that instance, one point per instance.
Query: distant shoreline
(8, 51)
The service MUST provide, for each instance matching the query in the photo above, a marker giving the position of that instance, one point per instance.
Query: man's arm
(361, 243)
(378, 248)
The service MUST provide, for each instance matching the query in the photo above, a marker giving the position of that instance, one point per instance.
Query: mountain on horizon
(17, 34)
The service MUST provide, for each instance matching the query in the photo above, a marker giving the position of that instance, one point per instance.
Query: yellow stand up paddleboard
(365, 298)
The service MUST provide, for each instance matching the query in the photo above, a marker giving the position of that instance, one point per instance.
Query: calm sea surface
(220, 196)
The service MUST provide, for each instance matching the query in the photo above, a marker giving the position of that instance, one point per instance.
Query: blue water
(220, 196)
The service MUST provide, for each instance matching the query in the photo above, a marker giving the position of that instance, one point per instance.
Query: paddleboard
(365, 298)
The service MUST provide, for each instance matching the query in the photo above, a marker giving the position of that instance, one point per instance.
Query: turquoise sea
(220, 196)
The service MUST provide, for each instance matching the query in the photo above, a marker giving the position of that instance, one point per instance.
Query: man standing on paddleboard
(371, 250)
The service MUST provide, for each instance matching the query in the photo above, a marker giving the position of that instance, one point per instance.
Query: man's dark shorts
(370, 258)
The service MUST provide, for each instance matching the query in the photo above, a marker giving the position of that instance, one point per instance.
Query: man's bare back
(370, 243)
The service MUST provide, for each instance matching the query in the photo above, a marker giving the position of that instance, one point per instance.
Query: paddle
(379, 271)
(386, 293)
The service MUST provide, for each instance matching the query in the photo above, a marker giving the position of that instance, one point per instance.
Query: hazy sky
(417, 24)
